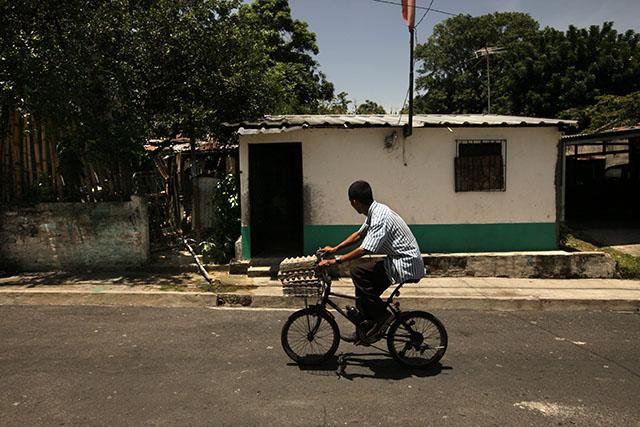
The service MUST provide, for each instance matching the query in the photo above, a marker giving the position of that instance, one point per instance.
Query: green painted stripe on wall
(441, 237)
(452, 237)
(246, 242)
(317, 236)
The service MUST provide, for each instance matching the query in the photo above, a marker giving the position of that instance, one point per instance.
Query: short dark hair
(361, 191)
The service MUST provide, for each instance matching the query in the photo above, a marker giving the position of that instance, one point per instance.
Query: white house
(463, 183)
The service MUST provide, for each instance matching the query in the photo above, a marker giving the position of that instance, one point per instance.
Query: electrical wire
(425, 14)
(401, 108)
(416, 7)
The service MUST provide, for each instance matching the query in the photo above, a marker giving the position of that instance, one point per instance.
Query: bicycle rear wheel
(417, 339)
(310, 336)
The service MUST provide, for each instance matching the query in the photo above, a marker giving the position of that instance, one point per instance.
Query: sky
(364, 45)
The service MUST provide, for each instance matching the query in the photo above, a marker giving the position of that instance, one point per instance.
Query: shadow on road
(129, 279)
(369, 365)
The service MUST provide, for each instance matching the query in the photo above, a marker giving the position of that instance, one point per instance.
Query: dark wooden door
(275, 187)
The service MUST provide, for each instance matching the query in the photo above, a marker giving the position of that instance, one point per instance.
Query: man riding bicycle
(383, 232)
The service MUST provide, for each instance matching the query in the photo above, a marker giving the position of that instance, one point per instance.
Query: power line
(416, 7)
(425, 14)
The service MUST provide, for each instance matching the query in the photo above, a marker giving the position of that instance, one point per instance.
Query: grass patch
(219, 287)
(209, 287)
(627, 266)
(572, 243)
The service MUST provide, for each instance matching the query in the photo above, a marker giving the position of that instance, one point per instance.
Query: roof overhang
(611, 135)
(288, 123)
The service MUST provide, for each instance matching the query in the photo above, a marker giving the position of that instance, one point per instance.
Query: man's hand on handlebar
(327, 262)
(328, 249)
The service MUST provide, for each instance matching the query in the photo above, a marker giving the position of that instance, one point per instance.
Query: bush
(219, 243)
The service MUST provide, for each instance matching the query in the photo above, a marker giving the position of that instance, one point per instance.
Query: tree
(608, 112)
(75, 66)
(450, 76)
(107, 75)
(541, 73)
(572, 69)
(338, 105)
(206, 64)
(370, 107)
(291, 48)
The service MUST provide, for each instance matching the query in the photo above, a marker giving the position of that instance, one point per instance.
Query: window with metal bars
(480, 165)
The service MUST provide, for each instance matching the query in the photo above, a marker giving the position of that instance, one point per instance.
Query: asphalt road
(168, 366)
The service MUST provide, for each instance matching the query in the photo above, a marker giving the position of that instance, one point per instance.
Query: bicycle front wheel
(310, 336)
(417, 339)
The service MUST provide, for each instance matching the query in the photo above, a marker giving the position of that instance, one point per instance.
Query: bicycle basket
(299, 278)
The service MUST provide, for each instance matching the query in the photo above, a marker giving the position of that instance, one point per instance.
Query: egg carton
(299, 277)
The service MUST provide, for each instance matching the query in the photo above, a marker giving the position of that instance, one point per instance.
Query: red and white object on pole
(409, 12)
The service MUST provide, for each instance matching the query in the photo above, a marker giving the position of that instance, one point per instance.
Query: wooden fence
(30, 168)
(28, 160)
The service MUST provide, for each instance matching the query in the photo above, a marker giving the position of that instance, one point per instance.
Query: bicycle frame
(327, 293)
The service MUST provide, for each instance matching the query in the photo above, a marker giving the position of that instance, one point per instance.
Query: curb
(209, 299)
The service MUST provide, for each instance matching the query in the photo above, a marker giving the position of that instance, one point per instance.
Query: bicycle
(310, 336)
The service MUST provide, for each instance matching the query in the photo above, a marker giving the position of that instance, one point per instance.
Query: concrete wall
(422, 191)
(71, 236)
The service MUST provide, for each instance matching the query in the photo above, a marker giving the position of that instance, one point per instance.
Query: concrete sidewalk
(190, 290)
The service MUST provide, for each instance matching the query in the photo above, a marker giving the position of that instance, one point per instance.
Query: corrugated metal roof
(608, 135)
(287, 122)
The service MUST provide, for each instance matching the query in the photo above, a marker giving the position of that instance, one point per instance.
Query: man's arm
(354, 254)
(352, 239)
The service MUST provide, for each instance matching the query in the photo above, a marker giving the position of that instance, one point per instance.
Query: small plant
(219, 243)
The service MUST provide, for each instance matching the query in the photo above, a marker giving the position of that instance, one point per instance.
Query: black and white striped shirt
(386, 233)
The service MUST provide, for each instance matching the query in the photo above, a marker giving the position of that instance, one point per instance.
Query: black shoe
(369, 328)
(372, 328)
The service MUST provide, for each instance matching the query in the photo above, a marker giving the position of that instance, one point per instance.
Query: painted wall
(521, 218)
(72, 236)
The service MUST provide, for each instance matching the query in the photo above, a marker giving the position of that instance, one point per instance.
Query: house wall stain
(73, 236)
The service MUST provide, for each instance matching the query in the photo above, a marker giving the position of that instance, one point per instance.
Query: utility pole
(408, 131)
(486, 52)
(409, 16)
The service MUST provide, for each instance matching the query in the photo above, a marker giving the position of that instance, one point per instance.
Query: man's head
(360, 196)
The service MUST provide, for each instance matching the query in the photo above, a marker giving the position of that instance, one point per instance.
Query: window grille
(480, 165)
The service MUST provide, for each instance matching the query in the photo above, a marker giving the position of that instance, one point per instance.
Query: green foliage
(338, 105)
(104, 76)
(74, 66)
(609, 111)
(627, 266)
(453, 79)
(291, 46)
(220, 241)
(541, 72)
(370, 107)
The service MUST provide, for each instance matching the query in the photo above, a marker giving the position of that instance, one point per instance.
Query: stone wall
(75, 236)
(551, 264)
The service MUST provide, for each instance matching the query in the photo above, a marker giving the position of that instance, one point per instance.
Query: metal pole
(488, 84)
(195, 194)
(408, 129)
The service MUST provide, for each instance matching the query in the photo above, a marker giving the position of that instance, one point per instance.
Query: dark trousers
(370, 280)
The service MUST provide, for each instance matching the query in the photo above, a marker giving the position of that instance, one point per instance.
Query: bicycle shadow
(370, 365)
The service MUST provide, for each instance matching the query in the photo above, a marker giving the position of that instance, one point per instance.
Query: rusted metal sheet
(207, 209)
